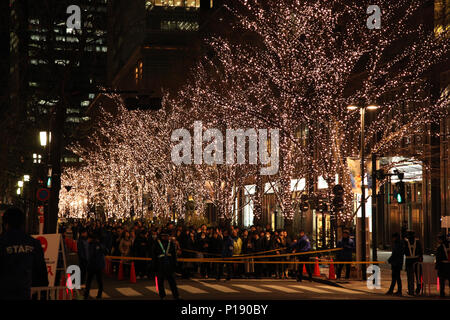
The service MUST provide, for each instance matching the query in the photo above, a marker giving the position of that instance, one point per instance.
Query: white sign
(50, 245)
(445, 222)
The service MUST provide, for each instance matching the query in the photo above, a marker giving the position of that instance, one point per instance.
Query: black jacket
(442, 261)
(22, 265)
(216, 245)
(164, 263)
(396, 258)
(96, 256)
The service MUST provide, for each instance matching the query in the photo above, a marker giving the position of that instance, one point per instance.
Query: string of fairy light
(287, 65)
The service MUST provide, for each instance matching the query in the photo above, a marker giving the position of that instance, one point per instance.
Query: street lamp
(370, 106)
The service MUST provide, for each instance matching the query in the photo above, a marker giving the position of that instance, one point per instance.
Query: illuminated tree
(297, 65)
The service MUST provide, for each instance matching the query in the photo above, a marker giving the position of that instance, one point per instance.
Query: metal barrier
(429, 275)
(51, 293)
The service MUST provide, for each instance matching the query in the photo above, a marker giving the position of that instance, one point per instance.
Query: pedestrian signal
(399, 194)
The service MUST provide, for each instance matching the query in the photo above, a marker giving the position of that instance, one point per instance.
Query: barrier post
(120, 275)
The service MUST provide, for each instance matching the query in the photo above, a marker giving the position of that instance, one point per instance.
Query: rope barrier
(246, 261)
(284, 255)
(232, 258)
(238, 255)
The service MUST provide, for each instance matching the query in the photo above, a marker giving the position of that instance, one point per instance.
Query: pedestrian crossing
(202, 288)
(219, 287)
(343, 290)
(281, 288)
(251, 288)
(129, 292)
(310, 289)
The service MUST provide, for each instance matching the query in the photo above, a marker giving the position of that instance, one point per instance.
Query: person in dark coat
(22, 263)
(96, 264)
(215, 248)
(302, 245)
(396, 262)
(83, 254)
(140, 250)
(165, 257)
(259, 245)
(443, 263)
(227, 252)
(346, 254)
(413, 255)
(202, 246)
(152, 241)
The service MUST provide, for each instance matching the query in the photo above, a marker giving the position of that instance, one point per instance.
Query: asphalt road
(249, 289)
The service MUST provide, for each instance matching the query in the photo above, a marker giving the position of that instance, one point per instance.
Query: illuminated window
(73, 119)
(173, 3)
(179, 25)
(139, 72)
(441, 16)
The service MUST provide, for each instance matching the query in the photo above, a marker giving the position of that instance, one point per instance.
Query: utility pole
(374, 207)
(363, 200)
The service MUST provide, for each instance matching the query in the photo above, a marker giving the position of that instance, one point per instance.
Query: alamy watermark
(374, 281)
(214, 151)
(74, 20)
(73, 277)
(374, 20)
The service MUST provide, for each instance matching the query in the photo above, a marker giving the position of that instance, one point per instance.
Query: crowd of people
(137, 239)
(21, 254)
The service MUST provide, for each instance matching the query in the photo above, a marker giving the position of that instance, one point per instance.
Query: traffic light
(304, 205)
(314, 202)
(338, 199)
(400, 194)
(323, 207)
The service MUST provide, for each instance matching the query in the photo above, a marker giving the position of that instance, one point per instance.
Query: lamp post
(362, 109)
(44, 141)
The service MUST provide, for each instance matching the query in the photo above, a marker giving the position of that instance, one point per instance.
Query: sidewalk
(385, 278)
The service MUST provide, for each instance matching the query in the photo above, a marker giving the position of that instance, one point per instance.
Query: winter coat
(348, 246)
(22, 265)
(96, 256)
(125, 247)
(237, 245)
(396, 258)
(228, 247)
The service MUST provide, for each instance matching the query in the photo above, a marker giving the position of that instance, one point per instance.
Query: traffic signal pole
(363, 201)
(374, 207)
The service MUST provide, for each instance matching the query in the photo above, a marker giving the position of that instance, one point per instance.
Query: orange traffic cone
(316, 268)
(331, 273)
(120, 276)
(304, 270)
(132, 273)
